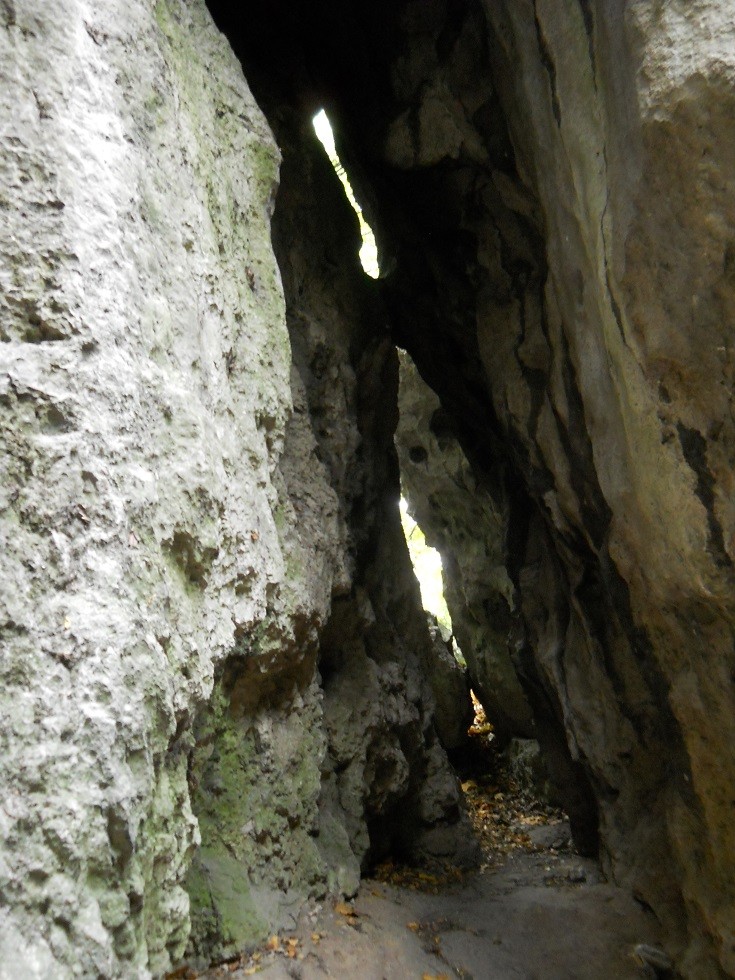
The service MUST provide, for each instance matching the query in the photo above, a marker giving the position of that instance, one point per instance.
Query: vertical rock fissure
(215, 670)
(694, 447)
(548, 62)
(336, 700)
(532, 387)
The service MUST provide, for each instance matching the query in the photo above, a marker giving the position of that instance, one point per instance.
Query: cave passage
(461, 720)
(426, 561)
(504, 294)
(454, 251)
(418, 349)
(506, 784)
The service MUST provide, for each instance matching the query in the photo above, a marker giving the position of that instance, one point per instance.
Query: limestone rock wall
(209, 628)
(385, 777)
(632, 160)
(318, 752)
(177, 521)
(137, 181)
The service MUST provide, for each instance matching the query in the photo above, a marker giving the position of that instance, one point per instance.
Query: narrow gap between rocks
(369, 249)
(509, 799)
(428, 569)
(528, 861)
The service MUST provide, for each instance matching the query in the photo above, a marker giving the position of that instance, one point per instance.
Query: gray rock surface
(528, 769)
(201, 557)
(540, 915)
(386, 782)
(632, 158)
(175, 526)
(137, 179)
(450, 685)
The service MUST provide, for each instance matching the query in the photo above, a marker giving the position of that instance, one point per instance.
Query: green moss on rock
(255, 784)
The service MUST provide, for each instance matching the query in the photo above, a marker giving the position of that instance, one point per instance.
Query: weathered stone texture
(467, 524)
(394, 785)
(303, 777)
(450, 685)
(552, 190)
(201, 557)
(632, 156)
(181, 505)
(144, 391)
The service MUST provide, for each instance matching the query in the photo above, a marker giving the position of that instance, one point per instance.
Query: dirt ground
(534, 910)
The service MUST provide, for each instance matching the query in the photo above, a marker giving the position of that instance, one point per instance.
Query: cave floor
(535, 915)
(535, 909)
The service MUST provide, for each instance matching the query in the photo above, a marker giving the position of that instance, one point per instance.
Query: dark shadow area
(429, 216)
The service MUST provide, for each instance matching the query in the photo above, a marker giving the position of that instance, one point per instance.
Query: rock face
(213, 673)
(318, 750)
(552, 191)
(450, 685)
(466, 522)
(138, 530)
(196, 508)
(551, 188)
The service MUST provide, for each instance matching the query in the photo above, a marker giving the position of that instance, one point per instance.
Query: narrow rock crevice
(694, 447)
(548, 62)
(495, 323)
(219, 687)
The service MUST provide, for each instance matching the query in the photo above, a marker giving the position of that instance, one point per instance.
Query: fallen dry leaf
(182, 973)
(344, 909)
(273, 943)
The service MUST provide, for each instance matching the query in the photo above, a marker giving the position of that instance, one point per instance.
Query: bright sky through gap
(324, 132)
(427, 566)
(427, 563)
(369, 250)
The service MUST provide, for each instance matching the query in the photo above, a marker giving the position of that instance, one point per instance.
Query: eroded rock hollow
(214, 658)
